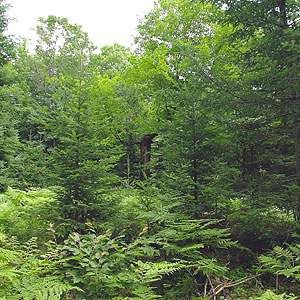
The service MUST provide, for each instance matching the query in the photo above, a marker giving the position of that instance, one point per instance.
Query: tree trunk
(297, 154)
(145, 152)
(283, 15)
(296, 99)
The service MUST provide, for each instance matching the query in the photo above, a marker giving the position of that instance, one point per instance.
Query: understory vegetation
(171, 171)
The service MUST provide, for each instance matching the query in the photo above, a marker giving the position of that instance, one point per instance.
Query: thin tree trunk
(283, 14)
(284, 23)
(128, 169)
(297, 154)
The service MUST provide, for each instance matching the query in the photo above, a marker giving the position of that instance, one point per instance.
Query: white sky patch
(106, 21)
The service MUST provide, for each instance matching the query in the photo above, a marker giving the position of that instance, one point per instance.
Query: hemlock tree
(268, 31)
(82, 151)
(6, 44)
(191, 108)
(8, 134)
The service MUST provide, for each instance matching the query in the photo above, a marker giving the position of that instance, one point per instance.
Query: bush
(28, 214)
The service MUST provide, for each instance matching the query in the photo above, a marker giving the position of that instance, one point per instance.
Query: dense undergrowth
(168, 172)
(155, 252)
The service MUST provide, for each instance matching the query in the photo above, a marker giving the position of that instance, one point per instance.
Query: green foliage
(269, 295)
(256, 227)
(25, 274)
(27, 214)
(160, 173)
(6, 44)
(136, 265)
(283, 261)
(101, 265)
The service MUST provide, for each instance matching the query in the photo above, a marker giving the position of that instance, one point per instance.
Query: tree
(75, 121)
(8, 133)
(6, 44)
(269, 62)
(189, 104)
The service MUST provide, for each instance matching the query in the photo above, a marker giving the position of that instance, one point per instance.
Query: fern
(210, 266)
(48, 288)
(24, 274)
(282, 261)
(8, 274)
(269, 295)
(144, 293)
(154, 271)
(7, 256)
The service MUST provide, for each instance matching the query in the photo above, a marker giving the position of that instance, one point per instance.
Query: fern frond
(154, 271)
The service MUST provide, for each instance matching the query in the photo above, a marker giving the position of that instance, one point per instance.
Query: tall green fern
(283, 261)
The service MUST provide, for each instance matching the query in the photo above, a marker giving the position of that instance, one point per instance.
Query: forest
(167, 171)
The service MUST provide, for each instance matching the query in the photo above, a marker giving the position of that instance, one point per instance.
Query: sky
(106, 21)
